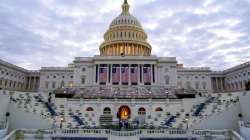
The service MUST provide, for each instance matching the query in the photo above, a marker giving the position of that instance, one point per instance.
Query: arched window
(89, 109)
(141, 111)
(106, 110)
(158, 109)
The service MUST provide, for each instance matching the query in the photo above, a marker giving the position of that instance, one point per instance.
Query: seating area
(77, 138)
(80, 122)
(47, 104)
(125, 92)
(168, 139)
(50, 109)
(170, 121)
(75, 117)
(199, 109)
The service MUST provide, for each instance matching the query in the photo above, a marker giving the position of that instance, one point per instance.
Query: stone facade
(13, 77)
(233, 79)
(194, 78)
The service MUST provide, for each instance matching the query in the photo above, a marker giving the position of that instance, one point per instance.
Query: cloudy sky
(214, 33)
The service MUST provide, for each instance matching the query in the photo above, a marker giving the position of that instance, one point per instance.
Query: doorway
(124, 113)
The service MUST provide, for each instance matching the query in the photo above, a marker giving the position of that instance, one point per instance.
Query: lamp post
(7, 116)
(186, 120)
(61, 122)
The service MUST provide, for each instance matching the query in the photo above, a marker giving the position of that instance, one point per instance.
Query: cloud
(51, 33)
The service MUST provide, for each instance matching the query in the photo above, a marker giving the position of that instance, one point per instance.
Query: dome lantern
(125, 7)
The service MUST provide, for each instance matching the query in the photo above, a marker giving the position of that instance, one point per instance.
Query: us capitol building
(125, 60)
(125, 83)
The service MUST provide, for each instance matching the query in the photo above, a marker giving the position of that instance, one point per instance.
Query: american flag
(116, 75)
(134, 74)
(125, 74)
(103, 74)
(147, 74)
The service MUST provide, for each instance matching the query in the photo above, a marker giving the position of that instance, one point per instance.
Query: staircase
(106, 119)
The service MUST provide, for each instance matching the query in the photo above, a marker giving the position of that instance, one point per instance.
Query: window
(54, 85)
(196, 77)
(158, 109)
(204, 85)
(89, 109)
(47, 77)
(166, 79)
(71, 76)
(63, 77)
(197, 85)
(83, 69)
(107, 110)
(179, 84)
(141, 111)
(54, 77)
(83, 80)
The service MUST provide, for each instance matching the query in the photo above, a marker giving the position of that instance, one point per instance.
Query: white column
(120, 83)
(151, 72)
(111, 74)
(138, 74)
(33, 83)
(107, 80)
(221, 80)
(142, 71)
(94, 75)
(216, 83)
(129, 74)
(98, 81)
(29, 86)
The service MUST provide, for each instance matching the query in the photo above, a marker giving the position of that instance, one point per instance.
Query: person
(126, 124)
(54, 126)
(120, 125)
(137, 122)
(49, 99)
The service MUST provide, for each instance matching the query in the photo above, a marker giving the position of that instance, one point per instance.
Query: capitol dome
(125, 19)
(125, 36)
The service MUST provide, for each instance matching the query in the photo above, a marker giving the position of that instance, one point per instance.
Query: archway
(124, 113)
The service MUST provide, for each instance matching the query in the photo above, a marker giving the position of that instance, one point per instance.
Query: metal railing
(223, 134)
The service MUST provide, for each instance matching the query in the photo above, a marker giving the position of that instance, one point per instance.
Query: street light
(61, 122)
(7, 116)
(186, 120)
